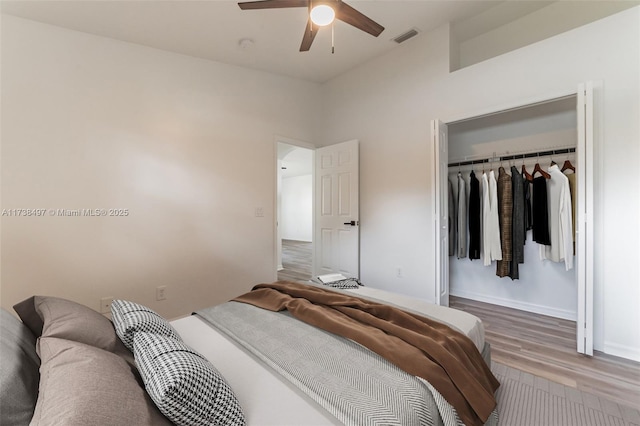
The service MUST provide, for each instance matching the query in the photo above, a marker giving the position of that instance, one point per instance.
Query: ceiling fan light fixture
(322, 15)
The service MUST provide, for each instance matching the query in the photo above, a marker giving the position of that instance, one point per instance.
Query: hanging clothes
(474, 217)
(573, 189)
(560, 226)
(528, 216)
(505, 210)
(540, 212)
(462, 217)
(517, 221)
(452, 221)
(481, 196)
(491, 248)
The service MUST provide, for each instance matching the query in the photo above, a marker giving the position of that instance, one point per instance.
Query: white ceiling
(299, 162)
(212, 29)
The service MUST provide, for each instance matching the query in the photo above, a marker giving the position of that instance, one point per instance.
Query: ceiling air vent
(406, 36)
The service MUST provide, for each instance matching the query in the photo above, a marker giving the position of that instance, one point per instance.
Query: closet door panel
(441, 213)
(584, 217)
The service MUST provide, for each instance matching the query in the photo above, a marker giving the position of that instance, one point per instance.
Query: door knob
(352, 223)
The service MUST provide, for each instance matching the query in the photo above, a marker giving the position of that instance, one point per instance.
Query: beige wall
(543, 22)
(186, 145)
(388, 103)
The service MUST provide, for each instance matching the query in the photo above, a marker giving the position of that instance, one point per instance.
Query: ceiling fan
(317, 9)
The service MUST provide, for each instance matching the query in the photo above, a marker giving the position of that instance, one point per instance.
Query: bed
(263, 367)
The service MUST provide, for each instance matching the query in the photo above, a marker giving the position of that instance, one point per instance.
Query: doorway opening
(582, 308)
(294, 212)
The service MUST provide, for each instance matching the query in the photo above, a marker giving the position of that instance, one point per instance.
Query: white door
(584, 217)
(337, 235)
(441, 211)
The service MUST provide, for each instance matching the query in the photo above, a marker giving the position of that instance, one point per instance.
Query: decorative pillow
(55, 317)
(82, 385)
(185, 386)
(19, 371)
(130, 317)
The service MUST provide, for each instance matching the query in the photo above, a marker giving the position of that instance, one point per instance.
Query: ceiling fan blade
(272, 4)
(347, 14)
(309, 35)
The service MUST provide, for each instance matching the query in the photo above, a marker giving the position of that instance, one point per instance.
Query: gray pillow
(82, 385)
(19, 375)
(185, 386)
(56, 317)
(130, 318)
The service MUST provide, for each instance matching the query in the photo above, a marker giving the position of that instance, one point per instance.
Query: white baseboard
(280, 267)
(516, 304)
(622, 351)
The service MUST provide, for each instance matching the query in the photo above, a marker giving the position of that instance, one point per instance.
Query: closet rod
(514, 157)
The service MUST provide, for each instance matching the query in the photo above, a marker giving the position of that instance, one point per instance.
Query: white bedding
(265, 397)
(268, 399)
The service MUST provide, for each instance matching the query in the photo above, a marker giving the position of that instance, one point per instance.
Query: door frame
(277, 248)
(585, 217)
(440, 140)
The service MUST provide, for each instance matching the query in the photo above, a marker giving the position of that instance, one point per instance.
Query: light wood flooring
(546, 347)
(296, 260)
(537, 344)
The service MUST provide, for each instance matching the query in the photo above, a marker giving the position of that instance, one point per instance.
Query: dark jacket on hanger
(528, 218)
(474, 217)
(505, 210)
(452, 221)
(540, 211)
(518, 233)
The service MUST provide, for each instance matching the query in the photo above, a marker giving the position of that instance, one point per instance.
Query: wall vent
(406, 36)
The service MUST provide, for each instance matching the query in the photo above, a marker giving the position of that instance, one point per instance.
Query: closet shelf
(508, 157)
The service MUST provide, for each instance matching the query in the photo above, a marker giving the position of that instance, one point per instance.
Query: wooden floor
(537, 344)
(546, 347)
(296, 261)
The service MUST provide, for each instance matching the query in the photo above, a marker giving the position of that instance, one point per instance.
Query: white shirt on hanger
(560, 226)
(491, 246)
(462, 217)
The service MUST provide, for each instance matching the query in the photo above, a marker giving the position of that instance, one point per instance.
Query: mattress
(259, 388)
(462, 321)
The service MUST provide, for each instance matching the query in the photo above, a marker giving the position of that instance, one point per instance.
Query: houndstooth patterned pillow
(129, 318)
(344, 284)
(185, 386)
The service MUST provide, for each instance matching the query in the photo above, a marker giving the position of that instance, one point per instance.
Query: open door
(584, 217)
(337, 222)
(441, 212)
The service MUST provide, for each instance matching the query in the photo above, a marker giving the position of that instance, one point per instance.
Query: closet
(514, 138)
(541, 133)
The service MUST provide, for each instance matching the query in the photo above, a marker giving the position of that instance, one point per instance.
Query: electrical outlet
(161, 292)
(105, 305)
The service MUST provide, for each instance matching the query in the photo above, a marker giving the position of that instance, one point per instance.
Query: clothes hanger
(537, 169)
(567, 165)
(524, 171)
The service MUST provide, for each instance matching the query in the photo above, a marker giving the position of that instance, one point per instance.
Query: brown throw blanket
(423, 347)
